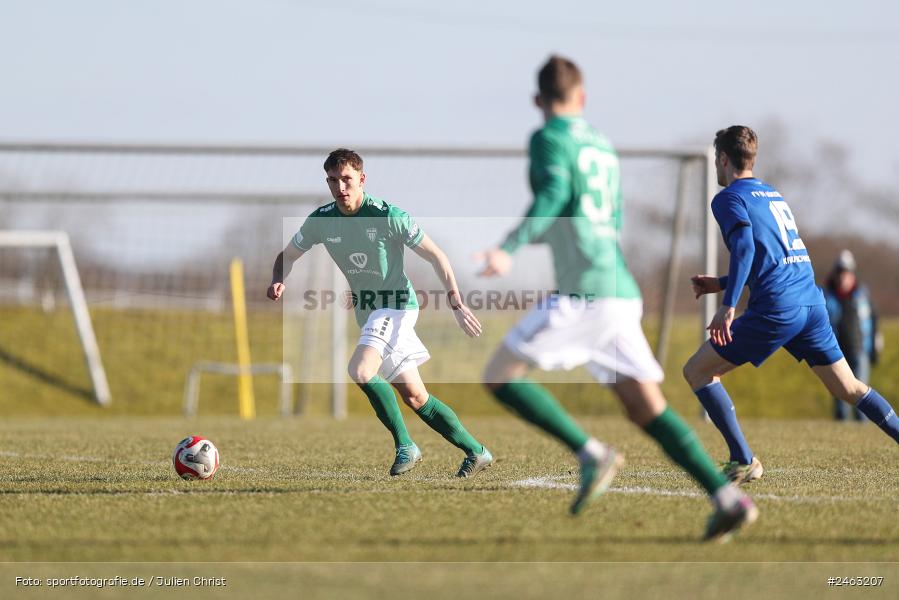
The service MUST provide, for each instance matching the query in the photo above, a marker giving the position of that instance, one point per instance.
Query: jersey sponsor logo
(372, 233)
(412, 232)
(334, 240)
(796, 258)
(766, 194)
(360, 259)
(326, 207)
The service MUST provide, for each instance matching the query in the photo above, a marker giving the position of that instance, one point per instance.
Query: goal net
(154, 229)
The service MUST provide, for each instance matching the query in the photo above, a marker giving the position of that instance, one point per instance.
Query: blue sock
(718, 404)
(875, 407)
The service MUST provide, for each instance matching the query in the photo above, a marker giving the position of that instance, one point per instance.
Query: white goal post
(706, 158)
(178, 200)
(59, 240)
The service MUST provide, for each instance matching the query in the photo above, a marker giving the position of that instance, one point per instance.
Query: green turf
(84, 489)
(100, 494)
(148, 354)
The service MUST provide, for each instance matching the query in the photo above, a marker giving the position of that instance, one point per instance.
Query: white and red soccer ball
(196, 457)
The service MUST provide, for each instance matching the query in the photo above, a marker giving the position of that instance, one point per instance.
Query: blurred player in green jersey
(595, 318)
(365, 237)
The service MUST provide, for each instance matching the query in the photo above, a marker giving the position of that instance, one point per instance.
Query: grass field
(306, 504)
(89, 489)
(148, 354)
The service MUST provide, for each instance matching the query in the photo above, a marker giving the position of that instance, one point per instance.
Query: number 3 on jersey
(602, 182)
(789, 233)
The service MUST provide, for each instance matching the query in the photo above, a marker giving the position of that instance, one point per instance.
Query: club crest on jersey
(360, 259)
(372, 233)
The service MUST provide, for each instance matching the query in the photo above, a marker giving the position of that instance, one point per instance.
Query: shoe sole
(600, 485)
(487, 466)
(407, 469)
(752, 514)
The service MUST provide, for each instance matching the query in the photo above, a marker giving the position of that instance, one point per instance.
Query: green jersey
(575, 177)
(368, 248)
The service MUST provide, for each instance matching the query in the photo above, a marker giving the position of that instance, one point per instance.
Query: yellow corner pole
(241, 334)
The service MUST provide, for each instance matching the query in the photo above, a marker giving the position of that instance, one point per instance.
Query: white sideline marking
(553, 483)
(550, 483)
(547, 482)
(557, 483)
(67, 457)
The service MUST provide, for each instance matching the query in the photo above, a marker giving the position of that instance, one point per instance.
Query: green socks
(537, 406)
(380, 394)
(435, 413)
(681, 444)
(444, 421)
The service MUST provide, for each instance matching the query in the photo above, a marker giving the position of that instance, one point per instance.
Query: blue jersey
(781, 275)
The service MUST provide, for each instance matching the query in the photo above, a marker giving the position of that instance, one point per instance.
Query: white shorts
(604, 334)
(392, 333)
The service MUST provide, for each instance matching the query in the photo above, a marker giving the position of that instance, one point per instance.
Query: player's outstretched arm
(281, 269)
(551, 184)
(429, 251)
(705, 284)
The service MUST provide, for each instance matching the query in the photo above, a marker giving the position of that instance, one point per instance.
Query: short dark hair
(557, 78)
(342, 157)
(739, 143)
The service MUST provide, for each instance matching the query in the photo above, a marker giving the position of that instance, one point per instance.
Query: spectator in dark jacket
(854, 322)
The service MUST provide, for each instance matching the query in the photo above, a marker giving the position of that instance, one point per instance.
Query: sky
(404, 72)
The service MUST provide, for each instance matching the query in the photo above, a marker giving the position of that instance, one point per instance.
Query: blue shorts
(804, 331)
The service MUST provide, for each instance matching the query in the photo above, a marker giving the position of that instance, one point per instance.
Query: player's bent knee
(361, 374)
(695, 378)
(641, 416)
(642, 401)
(416, 400)
(686, 372)
(490, 380)
(853, 392)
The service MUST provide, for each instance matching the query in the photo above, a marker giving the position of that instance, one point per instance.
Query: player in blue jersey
(786, 308)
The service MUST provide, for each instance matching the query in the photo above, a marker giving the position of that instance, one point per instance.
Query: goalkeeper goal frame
(59, 241)
(687, 157)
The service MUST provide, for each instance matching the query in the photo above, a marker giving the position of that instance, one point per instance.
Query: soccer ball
(196, 457)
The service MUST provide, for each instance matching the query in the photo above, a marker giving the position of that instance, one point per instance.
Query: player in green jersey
(595, 318)
(365, 237)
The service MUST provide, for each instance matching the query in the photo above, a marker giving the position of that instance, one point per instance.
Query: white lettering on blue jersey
(786, 223)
